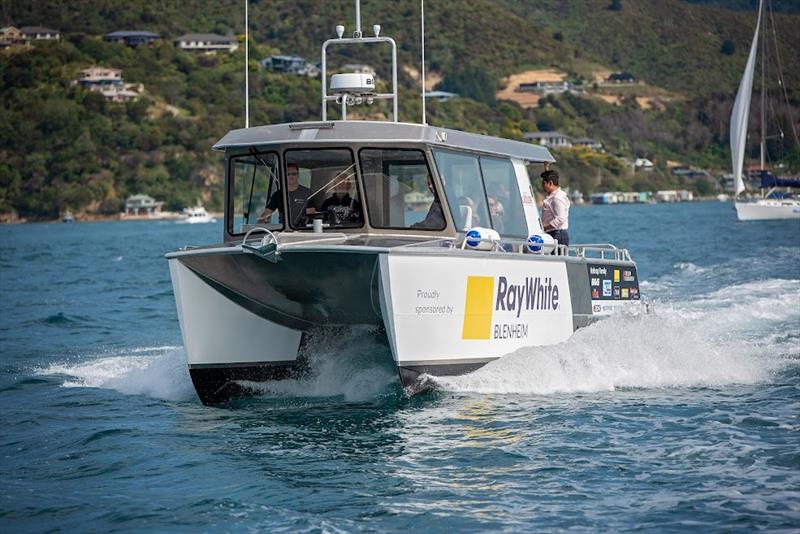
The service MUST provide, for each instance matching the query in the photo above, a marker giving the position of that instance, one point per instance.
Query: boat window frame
(232, 185)
(518, 198)
(477, 156)
(437, 194)
(356, 170)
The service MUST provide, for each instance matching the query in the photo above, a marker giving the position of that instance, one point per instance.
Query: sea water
(687, 417)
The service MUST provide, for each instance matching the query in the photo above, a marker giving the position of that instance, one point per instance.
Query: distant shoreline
(165, 216)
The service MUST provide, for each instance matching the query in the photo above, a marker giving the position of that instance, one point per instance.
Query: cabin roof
(380, 132)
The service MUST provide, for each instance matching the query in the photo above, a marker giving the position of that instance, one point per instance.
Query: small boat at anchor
(345, 223)
(195, 215)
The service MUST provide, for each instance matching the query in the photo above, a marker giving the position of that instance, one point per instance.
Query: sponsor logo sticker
(484, 298)
(606, 288)
(624, 292)
(595, 293)
(596, 308)
(628, 276)
(616, 292)
(616, 276)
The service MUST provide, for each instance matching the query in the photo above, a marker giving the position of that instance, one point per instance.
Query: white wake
(740, 334)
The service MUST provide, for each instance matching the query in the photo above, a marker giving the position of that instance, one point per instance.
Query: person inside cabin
(555, 209)
(497, 212)
(340, 208)
(434, 220)
(298, 195)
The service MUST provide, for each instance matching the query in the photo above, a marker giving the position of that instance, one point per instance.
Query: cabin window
(502, 194)
(254, 180)
(399, 190)
(326, 188)
(461, 175)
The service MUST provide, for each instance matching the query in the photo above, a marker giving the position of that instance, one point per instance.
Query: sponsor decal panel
(608, 282)
(464, 309)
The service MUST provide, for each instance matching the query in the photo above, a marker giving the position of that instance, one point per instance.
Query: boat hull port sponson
(429, 236)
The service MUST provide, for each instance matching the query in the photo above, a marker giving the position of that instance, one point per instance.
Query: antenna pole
(246, 67)
(357, 33)
(422, 16)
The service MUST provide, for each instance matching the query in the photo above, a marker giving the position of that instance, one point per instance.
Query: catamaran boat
(773, 204)
(429, 235)
(196, 215)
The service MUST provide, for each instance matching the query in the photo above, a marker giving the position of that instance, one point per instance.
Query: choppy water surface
(686, 418)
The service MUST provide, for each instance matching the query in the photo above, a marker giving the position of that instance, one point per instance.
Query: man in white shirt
(555, 209)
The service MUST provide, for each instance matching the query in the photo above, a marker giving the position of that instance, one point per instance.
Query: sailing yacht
(773, 205)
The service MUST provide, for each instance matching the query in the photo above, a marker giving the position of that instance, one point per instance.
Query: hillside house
(290, 65)
(359, 68)
(38, 33)
(587, 142)
(441, 96)
(621, 77)
(206, 42)
(544, 88)
(549, 139)
(9, 36)
(109, 83)
(690, 173)
(643, 164)
(141, 204)
(132, 38)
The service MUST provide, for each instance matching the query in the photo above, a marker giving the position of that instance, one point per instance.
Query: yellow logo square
(478, 308)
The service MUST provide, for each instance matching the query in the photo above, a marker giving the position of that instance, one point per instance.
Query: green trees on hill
(62, 147)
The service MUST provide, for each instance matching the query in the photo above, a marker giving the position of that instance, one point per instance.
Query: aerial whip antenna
(246, 67)
(422, 16)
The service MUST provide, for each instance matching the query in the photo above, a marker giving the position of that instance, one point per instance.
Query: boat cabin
(377, 178)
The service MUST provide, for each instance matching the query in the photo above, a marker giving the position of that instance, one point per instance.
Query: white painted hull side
(467, 311)
(764, 210)
(218, 332)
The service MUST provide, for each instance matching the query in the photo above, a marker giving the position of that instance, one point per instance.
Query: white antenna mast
(246, 67)
(422, 13)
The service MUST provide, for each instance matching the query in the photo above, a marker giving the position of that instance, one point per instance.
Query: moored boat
(195, 215)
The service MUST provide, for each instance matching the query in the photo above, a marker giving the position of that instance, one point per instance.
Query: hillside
(62, 147)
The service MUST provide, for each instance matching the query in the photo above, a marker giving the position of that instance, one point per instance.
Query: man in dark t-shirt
(298, 195)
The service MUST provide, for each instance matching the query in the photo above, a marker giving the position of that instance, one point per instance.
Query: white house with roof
(549, 139)
(441, 96)
(206, 42)
(359, 68)
(109, 83)
(9, 35)
(290, 65)
(132, 38)
(587, 142)
(142, 205)
(39, 33)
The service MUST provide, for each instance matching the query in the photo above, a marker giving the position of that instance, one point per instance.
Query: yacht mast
(763, 89)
